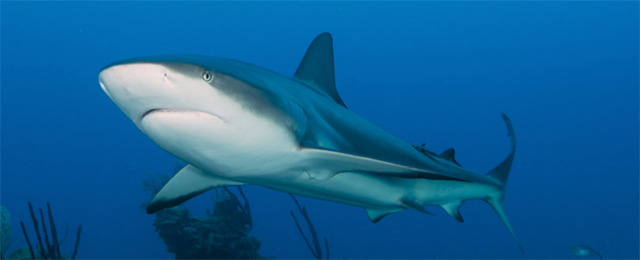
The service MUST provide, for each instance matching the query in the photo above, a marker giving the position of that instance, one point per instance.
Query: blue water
(439, 73)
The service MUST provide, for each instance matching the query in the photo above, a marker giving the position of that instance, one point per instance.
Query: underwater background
(436, 72)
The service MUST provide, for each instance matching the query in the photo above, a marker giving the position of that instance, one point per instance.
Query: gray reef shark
(235, 123)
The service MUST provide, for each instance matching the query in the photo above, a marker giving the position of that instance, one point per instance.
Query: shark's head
(193, 108)
(149, 87)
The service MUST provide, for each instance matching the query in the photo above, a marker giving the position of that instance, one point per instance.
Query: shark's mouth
(151, 111)
(175, 110)
(165, 110)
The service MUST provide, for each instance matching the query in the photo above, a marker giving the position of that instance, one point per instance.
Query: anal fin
(186, 184)
(453, 208)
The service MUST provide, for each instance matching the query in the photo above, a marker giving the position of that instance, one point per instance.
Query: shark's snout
(104, 89)
(141, 88)
(132, 76)
(134, 87)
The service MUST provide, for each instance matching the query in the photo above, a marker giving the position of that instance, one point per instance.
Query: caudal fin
(501, 173)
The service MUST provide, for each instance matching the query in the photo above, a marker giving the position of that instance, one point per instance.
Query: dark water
(430, 72)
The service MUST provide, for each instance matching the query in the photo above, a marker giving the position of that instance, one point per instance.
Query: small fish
(585, 251)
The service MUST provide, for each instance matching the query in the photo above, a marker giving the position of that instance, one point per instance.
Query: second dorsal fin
(450, 155)
(317, 67)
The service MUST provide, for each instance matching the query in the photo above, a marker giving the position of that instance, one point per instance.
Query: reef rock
(5, 230)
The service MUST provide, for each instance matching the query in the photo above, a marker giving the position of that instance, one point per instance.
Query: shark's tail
(501, 174)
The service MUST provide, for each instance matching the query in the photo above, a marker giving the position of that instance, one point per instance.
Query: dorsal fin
(317, 68)
(450, 155)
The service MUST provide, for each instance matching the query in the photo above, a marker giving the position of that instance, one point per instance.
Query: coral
(316, 250)
(5, 230)
(221, 234)
(46, 250)
(152, 184)
(23, 253)
(179, 230)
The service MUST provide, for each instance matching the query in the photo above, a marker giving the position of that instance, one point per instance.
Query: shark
(235, 123)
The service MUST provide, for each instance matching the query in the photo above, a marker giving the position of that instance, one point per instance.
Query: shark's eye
(207, 76)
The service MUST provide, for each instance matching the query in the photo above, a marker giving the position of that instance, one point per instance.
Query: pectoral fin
(186, 184)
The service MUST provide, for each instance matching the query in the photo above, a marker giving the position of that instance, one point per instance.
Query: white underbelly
(374, 191)
(243, 147)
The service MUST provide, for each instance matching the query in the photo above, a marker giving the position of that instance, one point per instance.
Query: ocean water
(433, 72)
